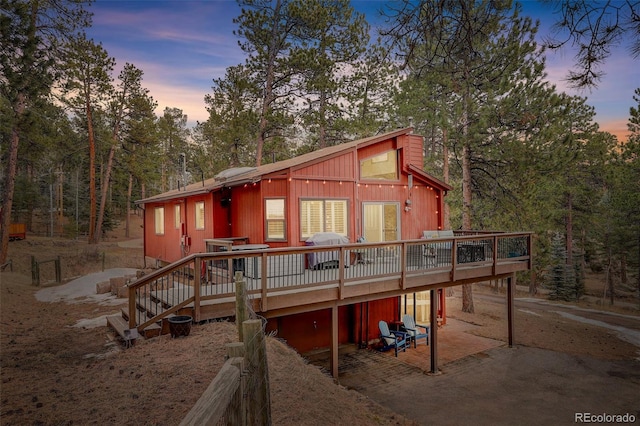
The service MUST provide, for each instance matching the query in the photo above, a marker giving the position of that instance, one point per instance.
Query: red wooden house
(373, 188)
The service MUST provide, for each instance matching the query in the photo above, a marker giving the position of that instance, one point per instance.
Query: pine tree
(462, 47)
(560, 276)
(86, 90)
(32, 32)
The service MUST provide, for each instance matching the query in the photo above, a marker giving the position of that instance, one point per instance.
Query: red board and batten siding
(278, 187)
(199, 235)
(332, 178)
(247, 218)
(167, 247)
(357, 323)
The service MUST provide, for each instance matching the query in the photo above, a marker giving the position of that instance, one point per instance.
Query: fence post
(256, 361)
(241, 304)
(238, 414)
(58, 270)
(35, 272)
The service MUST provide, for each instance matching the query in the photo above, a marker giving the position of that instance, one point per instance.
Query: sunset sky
(183, 45)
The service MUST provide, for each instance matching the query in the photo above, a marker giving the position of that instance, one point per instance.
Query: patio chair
(392, 339)
(415, 331)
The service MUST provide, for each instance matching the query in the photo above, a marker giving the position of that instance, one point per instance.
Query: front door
(381, 221)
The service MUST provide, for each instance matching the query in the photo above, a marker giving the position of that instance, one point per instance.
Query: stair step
(150, 306)
(152, 330)
(121, 326)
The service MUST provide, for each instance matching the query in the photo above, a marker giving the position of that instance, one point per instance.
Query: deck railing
(283, 278)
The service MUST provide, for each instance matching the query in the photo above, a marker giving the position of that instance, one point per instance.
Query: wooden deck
(300, 279)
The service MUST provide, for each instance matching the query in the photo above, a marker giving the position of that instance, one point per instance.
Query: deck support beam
(510, 318)
(433, 330)
(334, 341)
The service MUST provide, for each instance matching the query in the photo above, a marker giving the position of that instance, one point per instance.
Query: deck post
(334, 341)
(433, 330)
(197, 283)
(263, 282)
(132, 308)
(495, 255)
(510, 291)
(341, 266)
(241, 304)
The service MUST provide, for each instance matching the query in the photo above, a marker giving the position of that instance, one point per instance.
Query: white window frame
(281, 218)
(325, 218)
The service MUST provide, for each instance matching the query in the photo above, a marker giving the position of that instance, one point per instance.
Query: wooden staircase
(147, 307)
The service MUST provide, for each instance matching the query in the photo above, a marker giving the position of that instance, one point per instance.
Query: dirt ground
(60, 364)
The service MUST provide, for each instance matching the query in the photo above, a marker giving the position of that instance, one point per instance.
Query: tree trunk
(569, 231)
(322, 130)
(105, 190)
(467, 289)
(623, 269)
(10, 179)
(92, 173)
(610, 281)
(127, 223)
(446, 214)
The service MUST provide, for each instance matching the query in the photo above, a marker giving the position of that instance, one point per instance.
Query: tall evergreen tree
(128, 91)
(623, 213)
(267, 29)
(140, 147)
(31, 33)
(466, 43)
(173, 136)
(87, 88)
(332, 40)
(234, 114)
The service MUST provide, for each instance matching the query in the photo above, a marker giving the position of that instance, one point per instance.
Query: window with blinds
(159, 220)
(323, 216)
(275, 219)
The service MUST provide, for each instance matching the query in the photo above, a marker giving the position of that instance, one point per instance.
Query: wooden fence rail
(35, 269)
(239, 394)
(222, 402)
